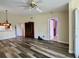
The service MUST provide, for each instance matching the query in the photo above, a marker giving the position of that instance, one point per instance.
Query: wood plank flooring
(31, 48)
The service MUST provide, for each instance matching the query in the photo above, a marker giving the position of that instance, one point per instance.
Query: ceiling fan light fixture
(33, 5)
(33, 2)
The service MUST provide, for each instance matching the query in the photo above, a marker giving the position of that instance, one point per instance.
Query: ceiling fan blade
(23, 6)
(18, 2)
(39, 10)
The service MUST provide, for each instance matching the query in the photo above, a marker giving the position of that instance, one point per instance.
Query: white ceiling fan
(32, 4)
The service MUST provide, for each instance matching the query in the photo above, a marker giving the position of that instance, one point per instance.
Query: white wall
(23, 29)
(41, 25)
(18, 30)
(73, 4)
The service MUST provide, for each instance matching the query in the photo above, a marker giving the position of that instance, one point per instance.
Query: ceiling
(45, 5)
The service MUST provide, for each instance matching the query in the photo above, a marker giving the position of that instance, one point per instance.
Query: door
(29, 29)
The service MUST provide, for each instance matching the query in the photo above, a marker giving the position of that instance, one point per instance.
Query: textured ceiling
(14, 6)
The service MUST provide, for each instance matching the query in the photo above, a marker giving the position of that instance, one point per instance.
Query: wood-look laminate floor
(31, 48)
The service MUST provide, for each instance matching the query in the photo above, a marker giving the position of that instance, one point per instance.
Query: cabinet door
(76, 33)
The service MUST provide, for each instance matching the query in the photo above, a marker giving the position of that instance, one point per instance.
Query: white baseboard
(63, 42)
(71, 52)
(57, 41)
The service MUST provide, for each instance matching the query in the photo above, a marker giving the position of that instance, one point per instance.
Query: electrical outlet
(43, 36)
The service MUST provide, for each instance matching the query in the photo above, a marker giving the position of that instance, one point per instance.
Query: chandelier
(6, 24)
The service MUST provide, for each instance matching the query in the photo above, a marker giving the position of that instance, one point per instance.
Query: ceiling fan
(32, 4)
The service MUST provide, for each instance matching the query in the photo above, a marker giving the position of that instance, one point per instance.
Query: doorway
(29, 29)
(53, 29)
